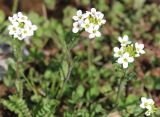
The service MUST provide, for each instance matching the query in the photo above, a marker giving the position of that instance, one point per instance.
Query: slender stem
(60, 92)
(118, 92)
(67, 52)
(89, 55)
(69, 74)
(16, 50)
(17, 69)
(126, 88)
(91, 3)
(119, 89)
(140, 114)
(15, 6)
(70, 63)
(44, 11)
(19, 73)
(70, 66)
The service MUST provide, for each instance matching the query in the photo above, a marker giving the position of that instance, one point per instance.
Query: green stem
(16, 52)
(14, 48)
(70, 66)
(119, 90)
(140, 114)
(70, 63)
(15, 6)
(89, 55)
(19, 73)
(91, 3)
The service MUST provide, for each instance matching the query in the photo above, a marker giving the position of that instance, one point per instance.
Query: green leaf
(149, 83)
(94, 91)
(35, 18)
(80, 91)
(47, 74)
(118, 8)
(98, 108)
(102, 5)
(17, 105)
(46, 108)
(131, 98)
(64, 70)
(68, 12)
(138, 4)
(50, 4)
(157, 83)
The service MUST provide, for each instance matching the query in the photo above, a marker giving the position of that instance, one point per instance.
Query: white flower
(118, 51)
(146, 103)
(24, 33)
(148, 113)
(125, 59)
(94, 32)
(124, 40)
(100, 19)
(21, 27)
(139, 49)
(79, 16)
(87, 25)
(93, 12)
(13, 29)
(30, 28)
(90, 21)
(127, 51)
(99, 15)
(13, 19)
(21, 17)
(76, 27)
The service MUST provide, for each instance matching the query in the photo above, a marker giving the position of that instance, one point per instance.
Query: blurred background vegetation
(90, 91)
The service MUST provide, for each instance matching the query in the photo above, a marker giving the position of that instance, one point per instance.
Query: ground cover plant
(79, 58)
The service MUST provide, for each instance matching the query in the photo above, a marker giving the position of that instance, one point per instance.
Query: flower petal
(130, 59)
(126, 55)
(148, 113)
(143, 99)
(75, 30)
(125, 64)
(125, 38)
(142, 105)
(75, 18)
(79, 13)
(150, 101)
(142, 51)
(98, 34)
(91, 35)
(93, 10)
(116, 49)
(120, 39)
(120, 60)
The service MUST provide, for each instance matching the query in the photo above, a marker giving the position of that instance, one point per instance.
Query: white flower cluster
(90, 21)
(127, 51)
(149, 105)
(21, 27)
